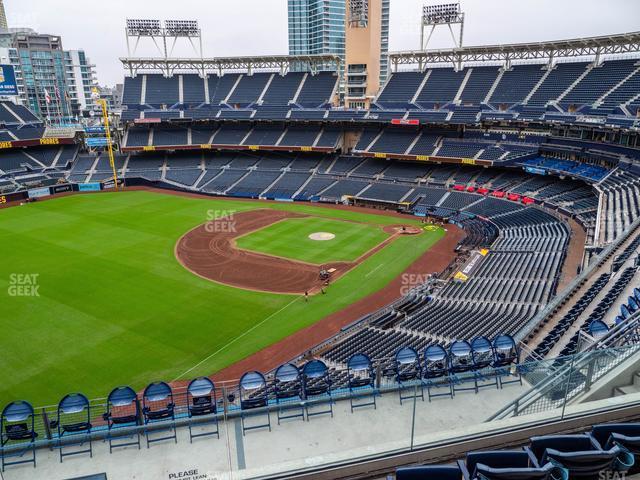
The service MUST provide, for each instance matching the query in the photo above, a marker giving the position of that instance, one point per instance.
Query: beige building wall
(362, 47)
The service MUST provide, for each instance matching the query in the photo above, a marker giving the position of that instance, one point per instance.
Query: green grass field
(115, 307)
(290, 239)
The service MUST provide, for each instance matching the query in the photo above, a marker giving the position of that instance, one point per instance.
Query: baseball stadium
(362, 265)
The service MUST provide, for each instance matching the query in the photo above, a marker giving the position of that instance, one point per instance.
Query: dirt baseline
(210, 252)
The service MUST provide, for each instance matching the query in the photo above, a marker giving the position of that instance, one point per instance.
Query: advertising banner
(39, 192)
(89, 187)
(8, 85)
(62, 188)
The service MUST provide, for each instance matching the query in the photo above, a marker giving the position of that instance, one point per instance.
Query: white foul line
(372, 271)
(235, 339)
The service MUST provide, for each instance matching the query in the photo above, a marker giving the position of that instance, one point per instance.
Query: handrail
(622, 336)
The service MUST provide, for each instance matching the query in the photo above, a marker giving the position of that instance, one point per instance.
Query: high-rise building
(3, 17)
(367, 49)
(319, 27)
(316, 27)
(52, 82)
(81, 79)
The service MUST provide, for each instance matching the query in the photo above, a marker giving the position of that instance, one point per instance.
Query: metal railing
(228, 400)
(557, 382)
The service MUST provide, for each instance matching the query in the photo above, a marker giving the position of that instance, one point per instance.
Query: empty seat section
(400, 89)
(317, 89)
(386, 192)
(367, 136)
(478, 85)
(138, 137)
(253, 184)
(192, 90)
(201, 135)
(329, 138)
(282, 89)
(249, 89)
(516, 84)
(287, 185)
(230, 135)
(264, 135)
(164, 136)
(300, 136)
(441, 87)
(598, 81)
(132, 90)
(425, 145)
(558, 80)
(394, 141)
(219, 87)
(161, 90)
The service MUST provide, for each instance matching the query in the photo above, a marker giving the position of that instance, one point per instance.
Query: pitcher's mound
(402, 229)
(322, 236)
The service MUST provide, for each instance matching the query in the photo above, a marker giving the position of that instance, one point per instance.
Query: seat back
(460, 357)
(361, 372)
(74, 414)
(436, 362)
(18, 422)
(158, 400)
(315, 378)
(602, 433)
(287, 382)
(429, 472)
(407, 364)
(547, 472)
(253, 390)
(122, 406)
(482, 350)
(505, 349)
(498, 459)
(201, 396)
(561, 443)
(589, 462)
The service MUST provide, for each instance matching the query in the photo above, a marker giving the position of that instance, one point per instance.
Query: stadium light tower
(433, 16)
(172, 31)
(142, 28)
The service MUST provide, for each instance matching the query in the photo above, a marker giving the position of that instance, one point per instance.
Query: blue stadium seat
(429, 472)
(580, 455)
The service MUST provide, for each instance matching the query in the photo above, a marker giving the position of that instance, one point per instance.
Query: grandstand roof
(592, 46)
(219, 64)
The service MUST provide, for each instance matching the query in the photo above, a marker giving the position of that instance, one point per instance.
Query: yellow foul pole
(105, 115)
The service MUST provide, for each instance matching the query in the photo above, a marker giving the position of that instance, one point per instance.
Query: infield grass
(115, 307)
(290, 239)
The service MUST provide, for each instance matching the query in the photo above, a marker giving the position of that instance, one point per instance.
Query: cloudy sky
(255, 27)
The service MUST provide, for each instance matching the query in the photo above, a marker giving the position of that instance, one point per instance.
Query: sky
(257, 27)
